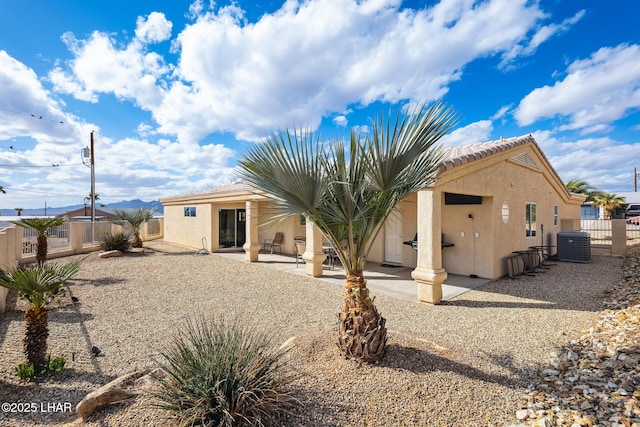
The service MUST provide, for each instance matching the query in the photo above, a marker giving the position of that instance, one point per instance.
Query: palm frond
(349, 193)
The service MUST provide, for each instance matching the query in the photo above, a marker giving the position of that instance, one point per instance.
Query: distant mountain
(125, 204)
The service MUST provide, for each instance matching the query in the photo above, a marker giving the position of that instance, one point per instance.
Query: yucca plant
(115, 241)
(348, 192)
(38, 285)
(41, 225)
(224, 373)
(135, 218)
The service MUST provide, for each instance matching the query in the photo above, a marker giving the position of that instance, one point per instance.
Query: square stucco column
(313, 254)
(429, 273)
(252, 242)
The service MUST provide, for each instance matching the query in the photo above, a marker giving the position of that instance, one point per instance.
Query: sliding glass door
(232, 228)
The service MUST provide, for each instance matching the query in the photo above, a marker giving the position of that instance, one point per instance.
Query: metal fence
(600, 231)
(100, 230)
(57, 239)
(153, 227)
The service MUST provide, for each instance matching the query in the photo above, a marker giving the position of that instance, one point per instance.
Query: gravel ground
(464, 362)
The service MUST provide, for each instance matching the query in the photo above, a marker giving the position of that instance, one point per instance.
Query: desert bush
(221, 373)
(115, 241)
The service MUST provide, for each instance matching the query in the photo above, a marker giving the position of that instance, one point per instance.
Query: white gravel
(464, 362)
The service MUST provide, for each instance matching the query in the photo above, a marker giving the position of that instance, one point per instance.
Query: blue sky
(175, 91)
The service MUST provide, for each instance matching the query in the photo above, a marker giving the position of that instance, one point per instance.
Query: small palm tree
(19, 211)
(582, 187)
(135, 218)
(348, 193)
(41, 225)
(608, 201)
(38, 285)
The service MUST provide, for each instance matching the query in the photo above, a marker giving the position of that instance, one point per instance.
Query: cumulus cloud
(542, 34)
(471, 134)
(100, 66)
(595, 92)
(603, 162)
(340, 120)
(305, 61)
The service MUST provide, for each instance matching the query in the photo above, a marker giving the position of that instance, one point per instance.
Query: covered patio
(390, 281)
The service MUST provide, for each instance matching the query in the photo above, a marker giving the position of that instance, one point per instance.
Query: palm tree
(348, 192)
(41, 225)
(135, 218)
(19, 211)
(582, 187)
(608, 201)
(2, 190)
(38, 285)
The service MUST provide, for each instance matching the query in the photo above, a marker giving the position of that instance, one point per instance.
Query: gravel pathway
(464, 362)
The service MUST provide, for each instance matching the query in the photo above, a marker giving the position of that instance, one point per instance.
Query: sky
(175, 91)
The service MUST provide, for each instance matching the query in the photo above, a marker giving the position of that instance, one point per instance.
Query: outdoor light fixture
(505, 212)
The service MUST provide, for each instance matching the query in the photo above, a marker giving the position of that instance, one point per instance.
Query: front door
(232, 228)
(393, 238)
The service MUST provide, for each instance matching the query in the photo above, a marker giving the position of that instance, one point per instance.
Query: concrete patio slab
(390, 281)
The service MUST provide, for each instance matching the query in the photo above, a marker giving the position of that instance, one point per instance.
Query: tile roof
(454, 156)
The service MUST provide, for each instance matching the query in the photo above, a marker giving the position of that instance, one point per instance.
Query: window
(530, 218)
(555, 215)
(190, 211)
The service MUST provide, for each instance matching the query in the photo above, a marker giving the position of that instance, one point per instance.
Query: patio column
(313, 254)
(252, 242)
(429, 273)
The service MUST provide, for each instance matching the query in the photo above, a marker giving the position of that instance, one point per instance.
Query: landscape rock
(595, 380)
(116, 391)
(110, 254)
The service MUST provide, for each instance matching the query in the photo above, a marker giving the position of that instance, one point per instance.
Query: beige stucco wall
(498, 179)
(189, 231)
(481, 243)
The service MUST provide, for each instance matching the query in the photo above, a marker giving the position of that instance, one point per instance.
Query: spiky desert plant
(38, 285)
(41, 225)
(224, 373)
(115, 241)
(348, 192)
(135, 218)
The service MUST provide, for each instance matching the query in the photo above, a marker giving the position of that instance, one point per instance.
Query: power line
(52, 165)
(35, 116)
(40, 192)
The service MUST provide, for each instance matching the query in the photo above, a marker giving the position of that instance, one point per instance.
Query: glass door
(232, 231)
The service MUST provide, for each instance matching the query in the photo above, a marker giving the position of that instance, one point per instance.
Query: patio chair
(271, 244)
(301, 246)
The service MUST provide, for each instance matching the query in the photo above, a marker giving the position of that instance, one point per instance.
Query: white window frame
(530, 218)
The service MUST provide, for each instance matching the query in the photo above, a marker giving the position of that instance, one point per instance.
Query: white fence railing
(100, 229)
(57, 239)
(20, 244)
(600, 231)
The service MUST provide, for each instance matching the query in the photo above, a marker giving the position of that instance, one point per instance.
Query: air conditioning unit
(574, 246)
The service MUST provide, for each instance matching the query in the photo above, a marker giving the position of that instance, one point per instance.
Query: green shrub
(115, 241)
(224, 374)
(28, 372)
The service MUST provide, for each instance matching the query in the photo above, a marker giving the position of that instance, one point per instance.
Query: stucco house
(490, 199)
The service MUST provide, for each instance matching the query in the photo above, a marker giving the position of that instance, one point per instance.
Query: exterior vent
(526, 160)
(574, 246)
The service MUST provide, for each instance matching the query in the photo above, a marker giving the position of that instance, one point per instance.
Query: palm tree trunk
(137, 241)
(41, 249)
(35, 337)
(362, 330)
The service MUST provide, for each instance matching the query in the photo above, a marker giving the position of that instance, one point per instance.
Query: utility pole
(93, 193)
(635, 179)
(89, 156)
